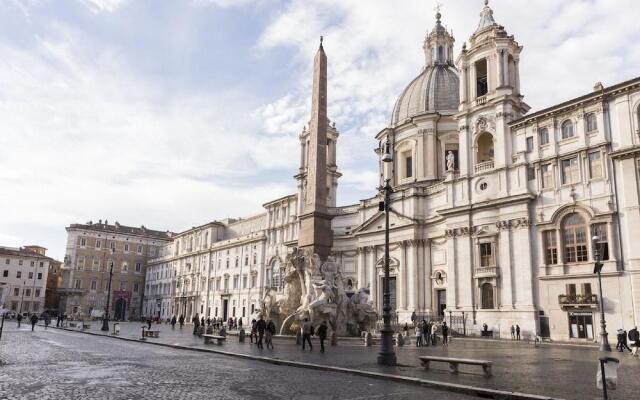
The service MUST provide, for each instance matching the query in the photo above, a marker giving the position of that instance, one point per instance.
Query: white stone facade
(492, 216)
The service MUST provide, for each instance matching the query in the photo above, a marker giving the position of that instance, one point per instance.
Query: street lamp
(597, 268)
(387, 355)
(105, 317)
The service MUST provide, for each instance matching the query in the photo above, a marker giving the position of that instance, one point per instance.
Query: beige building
(91, 250)
(492, 216)
(23, 278)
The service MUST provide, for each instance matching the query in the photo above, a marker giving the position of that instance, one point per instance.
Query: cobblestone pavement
(558, 371)
(57, 364)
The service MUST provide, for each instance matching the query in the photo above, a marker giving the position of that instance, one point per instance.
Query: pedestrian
(622, 341)
(240, 323)
(253, 333)
(149, 323)
(405, 329)
(173, 322)
(181, 320)
(322, 335)
(434, 330)
(270, 331)
(517, 332)
(47, 321)
(196, 323)
(634, 339)
(58, 321)
(425, 333)
(202, 321)
(307, 331)
(445, 334)
(413, 317)
(261, 326)
(34, 321)
(513, 332)
(19, 319)
(208, 321)
(418, 333)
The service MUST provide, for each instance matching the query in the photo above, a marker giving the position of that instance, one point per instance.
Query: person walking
(445, 334)
(513, 332)
(322, 335)
(434, 331)
(196, 324)
(307, 331)
(252, 334)
(269, 332)
(426, 333)
(517, 332)
(202, 321)
(34, 321)
(47, 321)
(173, 322)
(622, 341)
(261, 326)
(634, 339)
(19, 319)
(58, 321)
(414, 317)
(149, 323)
(181, 320)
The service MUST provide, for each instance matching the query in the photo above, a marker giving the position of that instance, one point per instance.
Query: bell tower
(489, 95)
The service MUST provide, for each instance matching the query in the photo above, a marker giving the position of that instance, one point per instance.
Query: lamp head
(386, 156)
(595, 238)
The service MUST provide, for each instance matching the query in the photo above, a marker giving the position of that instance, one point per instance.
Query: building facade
(496, 214)
(92, 249)
(23, 278)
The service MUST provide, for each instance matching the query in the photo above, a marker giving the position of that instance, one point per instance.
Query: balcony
(484, 166)
(480, 100)
(485, 272)
(578, 301)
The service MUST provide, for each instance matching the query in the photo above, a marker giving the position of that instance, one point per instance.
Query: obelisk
(315, 234)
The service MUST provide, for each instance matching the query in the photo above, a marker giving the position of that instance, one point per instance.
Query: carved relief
(513, 223)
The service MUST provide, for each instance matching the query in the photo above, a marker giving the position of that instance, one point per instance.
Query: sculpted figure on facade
(451, 161)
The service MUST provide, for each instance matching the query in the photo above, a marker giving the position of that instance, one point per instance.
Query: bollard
(241, 335)
(143, 338)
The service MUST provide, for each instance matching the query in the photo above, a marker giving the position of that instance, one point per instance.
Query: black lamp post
(597, 268)
(387, 355)
(105, 317)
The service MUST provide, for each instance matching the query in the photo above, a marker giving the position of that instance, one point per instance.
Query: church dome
(435, 89)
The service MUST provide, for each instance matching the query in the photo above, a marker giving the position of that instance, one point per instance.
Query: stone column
(401, 283)
(516, 72)
(373, 279)
(505, 60)
(463, 85)
(524, 278)
(506, 281)
(500, 68)
(361, 272)
(452, 273)
(371, 266)
(426, 284)
(412, 275)
(472, 81)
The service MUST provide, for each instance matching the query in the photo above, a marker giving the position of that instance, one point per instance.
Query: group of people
(634, 339)
(262, 330)
(515, 332)
(426, 332)
(34, 320)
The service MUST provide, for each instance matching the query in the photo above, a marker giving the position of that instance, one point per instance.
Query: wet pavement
(552, 370)
(57, 364)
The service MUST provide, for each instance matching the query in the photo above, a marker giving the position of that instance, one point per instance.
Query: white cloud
(98, 6)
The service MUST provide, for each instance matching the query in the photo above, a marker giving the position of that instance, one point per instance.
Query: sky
(171, 114)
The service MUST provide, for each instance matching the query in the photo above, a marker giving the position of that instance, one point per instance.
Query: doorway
(581, 325)
(225, 306)
(121, 306)
(441, 301)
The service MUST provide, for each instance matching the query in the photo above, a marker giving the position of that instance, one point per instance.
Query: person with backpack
(322, 335)
(307, 331)
(634, 339)
(181, 321)
(269, 332)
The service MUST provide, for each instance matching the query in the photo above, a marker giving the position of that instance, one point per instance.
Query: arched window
(487, 296)
(592, 124)
(276, 276)
(567, 129)
(575, 234)
(440, 54)
(485, 148)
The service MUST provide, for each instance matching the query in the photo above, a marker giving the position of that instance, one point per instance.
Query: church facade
(496, 217)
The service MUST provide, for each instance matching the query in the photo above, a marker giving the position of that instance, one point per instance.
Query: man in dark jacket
(34, 321)
(181, 321)
(634, 338)
(196, 324)
(260, 327)
(19, 319)
(322, 335)
(253, 333)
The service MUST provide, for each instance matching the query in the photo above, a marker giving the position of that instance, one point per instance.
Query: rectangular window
(83, 242)
(592, 124)
(586, 289)
(125, 268)
(37, 293)
(139, 249)
(123, 285)
(40, 275)
(152, 251)
(30, 275)
(595, 165)
(27, 292)
(19, 274)
(81, 263)
(550, 247)
(408, 166)
(94, 284)
(78, 284)
(126, 247)
(244, 282)
(486, 255)
(602, 243)
(7, 261)
(136, 287)
(571, 289)
(482, 86)
(138, 267)
(113, 246)
(16, 292)
(546, 176)
(98, 243)
(5, 273)
(543, 134)
(235, 282)
(531, 173)
(570, 171)
(19, 262)
(529, 144)
(33, 263)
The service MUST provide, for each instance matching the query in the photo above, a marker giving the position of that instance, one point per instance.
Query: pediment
(376, 222)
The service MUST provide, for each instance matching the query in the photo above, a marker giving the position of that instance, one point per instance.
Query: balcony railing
(481, 100)
(484, 166)
(578, 300)
(484, 272)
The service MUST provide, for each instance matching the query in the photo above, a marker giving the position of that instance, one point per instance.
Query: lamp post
(597, 268)
(105, 317)
(387, 355)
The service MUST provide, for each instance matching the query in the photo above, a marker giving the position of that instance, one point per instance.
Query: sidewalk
(556, 371)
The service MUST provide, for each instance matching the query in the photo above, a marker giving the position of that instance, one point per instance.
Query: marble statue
(451, 161)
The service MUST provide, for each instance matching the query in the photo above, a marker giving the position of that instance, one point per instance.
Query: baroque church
(497, 214)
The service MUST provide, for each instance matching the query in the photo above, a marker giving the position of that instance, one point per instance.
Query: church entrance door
(121, 306)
